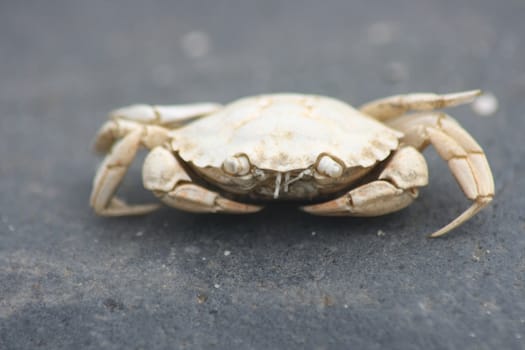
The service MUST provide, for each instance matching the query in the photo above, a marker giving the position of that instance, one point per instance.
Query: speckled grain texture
(69, 279)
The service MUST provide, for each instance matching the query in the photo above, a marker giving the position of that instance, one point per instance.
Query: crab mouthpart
(288, 180)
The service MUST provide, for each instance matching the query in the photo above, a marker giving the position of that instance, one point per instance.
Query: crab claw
(193, 198)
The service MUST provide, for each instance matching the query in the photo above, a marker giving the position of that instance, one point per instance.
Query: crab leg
(395, 189)
(465, 157)
(128, 129)
(113, 168)
(173, 115)
(395, 106)
(125, 119)
(164, 175)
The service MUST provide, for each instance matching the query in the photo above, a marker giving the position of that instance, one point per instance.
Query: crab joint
(237, 165)
(329, 167)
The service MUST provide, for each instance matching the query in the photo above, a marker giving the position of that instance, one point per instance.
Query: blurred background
(69, 278)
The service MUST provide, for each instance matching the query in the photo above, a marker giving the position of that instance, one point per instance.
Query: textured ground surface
(69, 279)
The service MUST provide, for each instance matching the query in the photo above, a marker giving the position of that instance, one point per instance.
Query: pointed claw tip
(475, 93)
(437, 234)
(479, 204)
(467, 96)
(233, 207)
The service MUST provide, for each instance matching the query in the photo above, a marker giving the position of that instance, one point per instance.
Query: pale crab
(324, 154)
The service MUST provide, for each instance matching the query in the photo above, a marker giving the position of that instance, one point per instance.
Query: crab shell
(284, 137)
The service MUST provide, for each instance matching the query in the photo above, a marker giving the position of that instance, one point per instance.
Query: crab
(326, 156)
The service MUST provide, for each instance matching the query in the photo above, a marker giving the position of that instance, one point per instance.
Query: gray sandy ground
(69, 279)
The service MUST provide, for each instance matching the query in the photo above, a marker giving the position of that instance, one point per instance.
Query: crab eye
(329, 167)
(237, 165)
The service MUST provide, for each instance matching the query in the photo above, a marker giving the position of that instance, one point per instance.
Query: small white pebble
(381, 233)
(139, 234)
(11, 228)
(472, 335)
(227, 253)
(485, 105)
(203, 258)
(345, 306)
(196, 44)
(217, 285)
(487, 251)
(314, 233)
(518, 336)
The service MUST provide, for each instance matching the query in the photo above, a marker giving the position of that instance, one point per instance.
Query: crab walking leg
(123, 120)
(395, 106)
(163, 174)
(130, 137)
(464, 156)
(173, 115)
(395, 189)
(121, 137)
